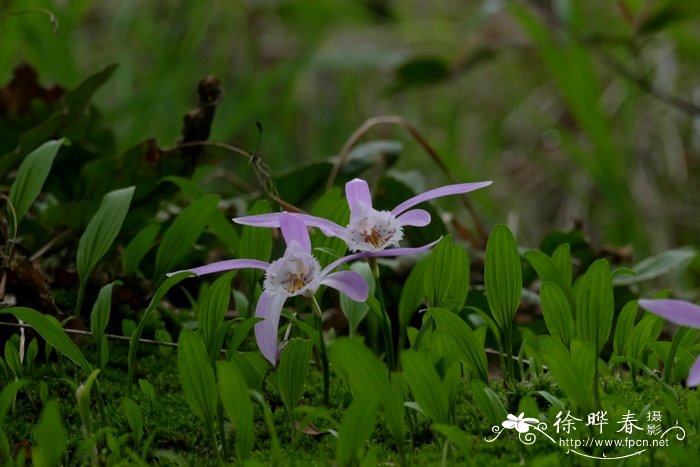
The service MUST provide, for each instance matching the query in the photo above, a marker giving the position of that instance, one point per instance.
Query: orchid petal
(358, 197)
(694, 374)
(269, 308)
(294, 230)
(328, 228)
(380, 253)
(348, 282)
(677, 311)
(457, 189)
(225, 266)
(415, 218)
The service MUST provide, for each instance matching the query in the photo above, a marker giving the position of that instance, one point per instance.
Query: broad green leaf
(595, 305)
(184, 231)
(51, 437)
(256, 243)
(333, 207)
(623, 326)
(354, 311)
(412, 292)
(562, 260)
(425, 385)
(31, 176)
(488, 402)
(356, 426)
(502, 276)
(440, 273)
(51, 333)
(548, 271)
(471, 350)
(236, 401)
(658, 265)
(134, 418)
(363, 372)
(240, 332)
(148, 390)
(456, 437)
(83, 396)
(212, 311)
(102, 230)
(566, 373)
(197, 377)
(218, 223)
(643, 334)
(7, 397)
(14, 362)
(292, 371)
(99, 318)
(136, 335)
(138, 247)
(556, 312)
(459, 287)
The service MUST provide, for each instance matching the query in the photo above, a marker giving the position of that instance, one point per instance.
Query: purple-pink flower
(370, 230)
(297, 272)
(682, 313)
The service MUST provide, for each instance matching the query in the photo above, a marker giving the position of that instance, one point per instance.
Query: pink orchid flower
(370, 230)
(297, 272)
(682, 313)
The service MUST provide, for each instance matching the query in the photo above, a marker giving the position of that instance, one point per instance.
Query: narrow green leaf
(502, 276)
(134, 418)
(51, 437)
(102, 230)
(197, 376)
(556, 312)
(456, 437)
(14, 362)
(356, 426)
(184, 231)
(31, 175)
(99, 318)
(439, 276)
(354, 311)
(136, 335)
(548, 271)
(595, 305)
(562, 260)
(658, 265)
(566, 373)
(138, 247)
(240, 332)
(488, 402)
(425, 385)
(7, 397)
(236, 401)
(148, 390)
(293, 368)
(212, 311)
(51, 333)
(624, 326)
(471, 350)
(413, 292)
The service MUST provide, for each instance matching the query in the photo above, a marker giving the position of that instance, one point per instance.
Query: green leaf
(354, 311)
(13, 359)
(184, 231)
(557, 312)
(643, 335)
(134, 418)
(293, 368)
(502, 276)
(256, 243)
(657, 266)
(412, 292)
(425, 385)
(356, 426)
(197, 376)
(624, 326)
(51, 333)
(562, 260)
(212, 311)
(240, 333)
(136, 335)
(148, 390)
(438, 277)
(7, 397)
(218, 223)
(548, 271)
(138, 247)
(595, 305)
(236, 401)
(364, 373)
(471, 351)
(456, 437)
(51, 437)
(99, 318)
(567, 373)
(488, 402)
(419, 71)
(31, 176)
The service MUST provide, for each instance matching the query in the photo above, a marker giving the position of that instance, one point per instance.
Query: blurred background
(584, 113)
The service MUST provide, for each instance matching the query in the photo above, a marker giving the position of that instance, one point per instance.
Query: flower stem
(385, 322)
(322, 349)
